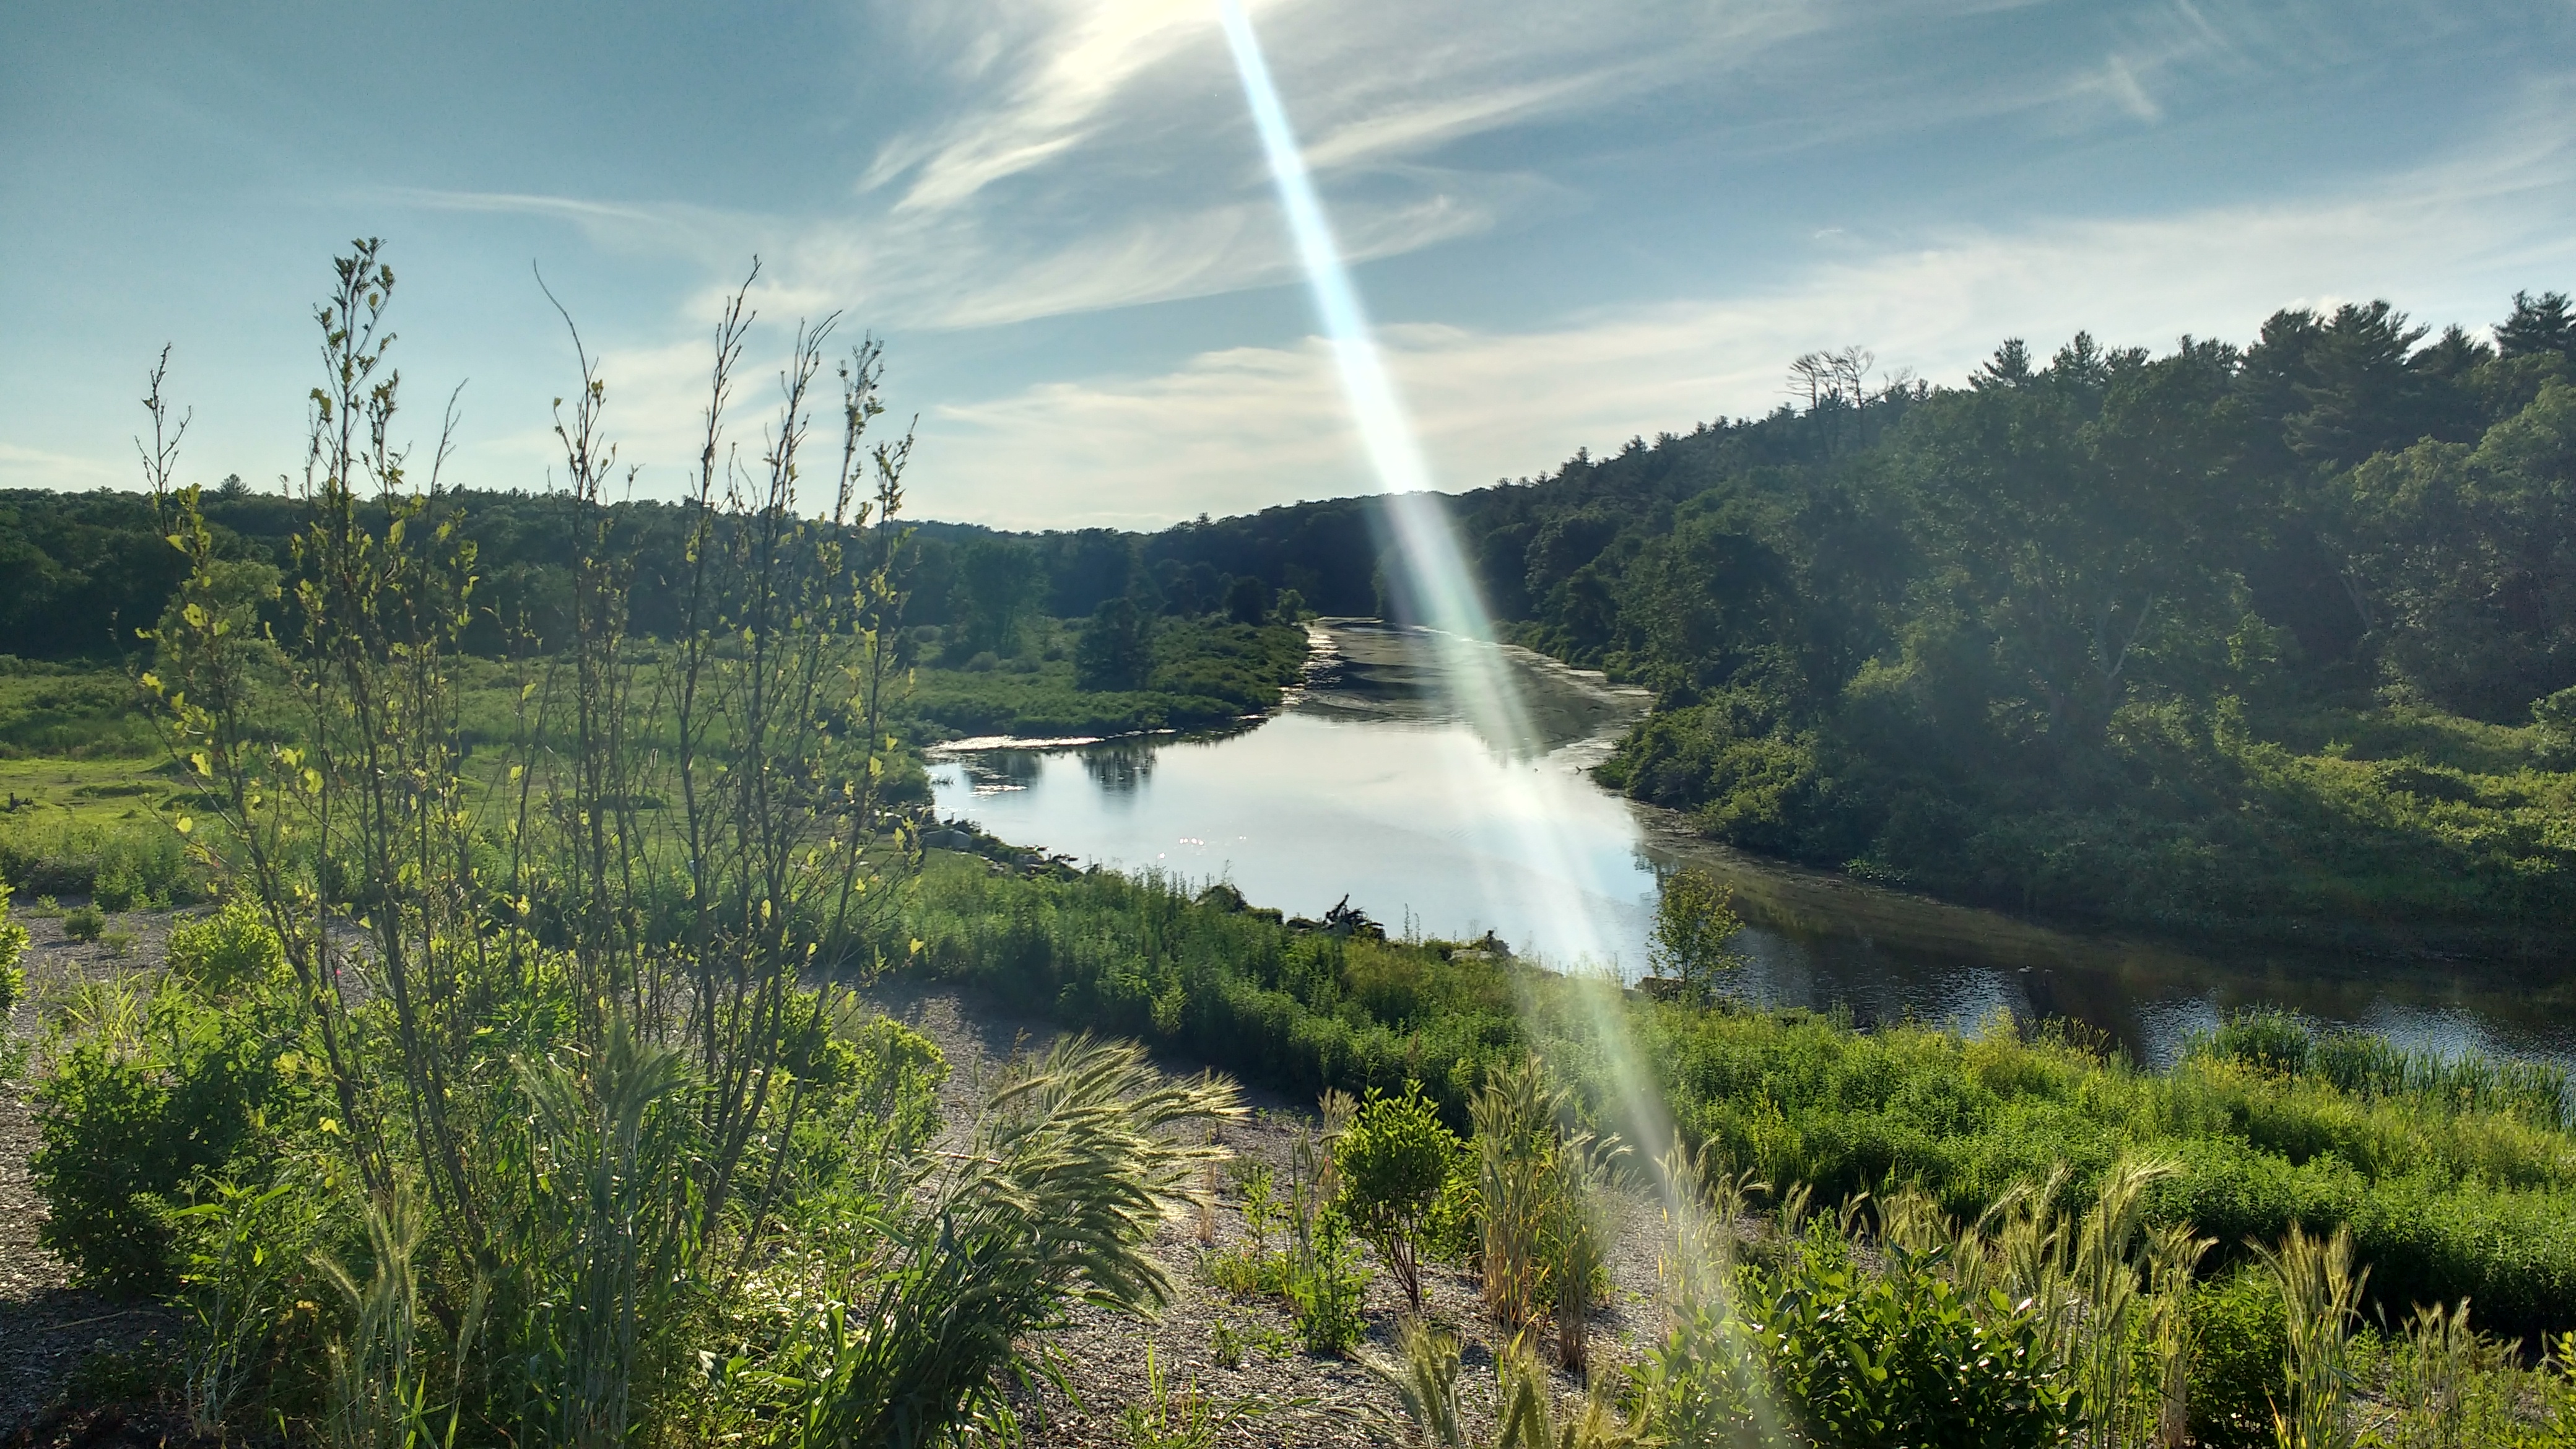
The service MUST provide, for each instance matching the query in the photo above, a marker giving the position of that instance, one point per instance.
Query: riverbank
(1369, 781)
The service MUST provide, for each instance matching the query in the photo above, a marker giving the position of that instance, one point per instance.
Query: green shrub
(1325, 1278)
(85, 923)
(226, 952)
(119, 885)
(167, 1093)
(1901, 1357)
(1393, 1162)
(120, 865)
(2240, 1339)
(1454, 1230)
(13, 947)
(1324, 1274)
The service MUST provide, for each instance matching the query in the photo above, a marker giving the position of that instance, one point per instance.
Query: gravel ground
(47, 1326)
(1296, 1399)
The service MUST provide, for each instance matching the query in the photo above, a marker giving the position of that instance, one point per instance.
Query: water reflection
(1369, 786)
(1120, 767)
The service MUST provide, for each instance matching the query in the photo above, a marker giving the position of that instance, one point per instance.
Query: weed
(1188, 1417)
(1325, 1275)
(2320, 1290)
(85, 923)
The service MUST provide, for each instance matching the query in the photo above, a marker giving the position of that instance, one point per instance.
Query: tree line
(2274, 630)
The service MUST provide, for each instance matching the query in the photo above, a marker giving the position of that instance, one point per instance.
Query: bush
(166, 1095)
(1393, 1162)
(2240, 1337)
(13, 946)
(85, 923)
(225, 952)
(121, 866)
(1901, 1357)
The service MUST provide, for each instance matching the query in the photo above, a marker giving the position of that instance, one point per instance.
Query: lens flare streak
(1442, 586)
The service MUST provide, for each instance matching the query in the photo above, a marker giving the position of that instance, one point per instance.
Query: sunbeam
(1444, 590)
(1481, 681)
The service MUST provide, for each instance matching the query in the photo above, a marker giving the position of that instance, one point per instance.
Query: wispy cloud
(1244, 428)
(1077, 59)
(1097, 154)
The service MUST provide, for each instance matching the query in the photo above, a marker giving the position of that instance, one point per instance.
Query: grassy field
(87, 789)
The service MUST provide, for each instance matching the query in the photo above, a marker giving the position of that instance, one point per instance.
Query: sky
(1573, 223)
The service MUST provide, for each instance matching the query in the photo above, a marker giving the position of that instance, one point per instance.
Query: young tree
(1393, 1160)
(998, 583)
(1695, 929)
(1247, 600)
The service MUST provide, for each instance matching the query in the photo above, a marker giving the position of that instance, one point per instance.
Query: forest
(2272, 638)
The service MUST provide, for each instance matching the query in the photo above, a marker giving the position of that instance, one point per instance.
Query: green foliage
(122, 864)
(1394, 1161)
(2320, 1295)
(2370, 1067)
(1323, 1275)
(1902, 1357)
(2240, 1339)
(1056, 1196)
(1252, 1268)
(13, 949)
(997, 589)
(1694, 932)
(161, 1096)
(1516, 1116)
(1117, 648)
(2450, 1192)
(1180, 674)
(232, 950)
(85, 923)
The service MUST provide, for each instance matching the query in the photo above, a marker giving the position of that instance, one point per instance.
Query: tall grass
(124, 865)
(1059, 1188)
(2369, 1066)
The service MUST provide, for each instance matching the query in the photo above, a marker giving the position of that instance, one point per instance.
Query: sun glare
(1480, 679)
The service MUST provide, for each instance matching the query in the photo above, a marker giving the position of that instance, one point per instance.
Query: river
(1366, 785)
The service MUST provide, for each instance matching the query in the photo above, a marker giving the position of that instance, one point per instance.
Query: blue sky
(1573, 223)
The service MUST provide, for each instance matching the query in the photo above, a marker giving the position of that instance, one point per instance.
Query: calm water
(1369, 787)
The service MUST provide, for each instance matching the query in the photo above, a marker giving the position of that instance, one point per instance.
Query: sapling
(1394, 1158)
